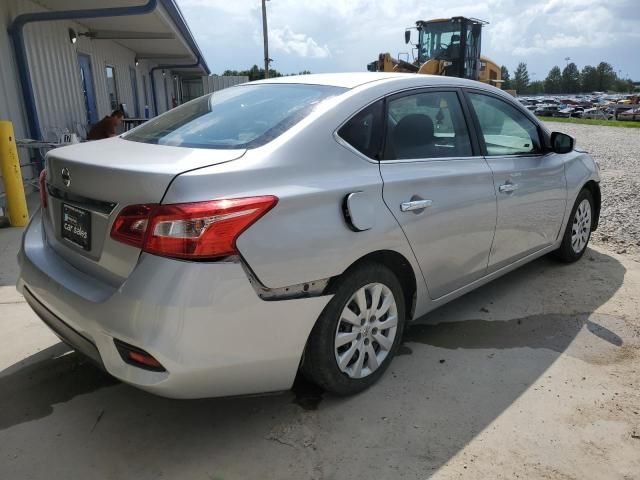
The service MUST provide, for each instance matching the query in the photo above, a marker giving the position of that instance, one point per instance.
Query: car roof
(356, 79)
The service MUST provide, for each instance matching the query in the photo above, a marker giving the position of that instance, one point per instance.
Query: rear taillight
(130, 226)
(42, 183)
(198, 231)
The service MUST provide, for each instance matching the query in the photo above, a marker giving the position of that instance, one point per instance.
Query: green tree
(623, 85)
(255, 73)
(521, 78)
(571, 78)
(553, 82)
(606, 76)
(536, 87)
(589, 79)
(504, 73)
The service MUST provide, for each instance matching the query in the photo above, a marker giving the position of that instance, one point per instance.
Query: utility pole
(266, 38)
(566, 59)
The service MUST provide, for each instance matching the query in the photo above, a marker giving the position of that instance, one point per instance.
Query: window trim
(115, 86)
(473, 140)
(542, 138)
(145, 91)
(345, 143)
(473, 137)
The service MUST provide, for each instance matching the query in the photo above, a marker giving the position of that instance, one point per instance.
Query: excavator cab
(451, 46)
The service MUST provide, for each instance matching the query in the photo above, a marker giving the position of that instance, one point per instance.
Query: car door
(530, 183)
(438, 187)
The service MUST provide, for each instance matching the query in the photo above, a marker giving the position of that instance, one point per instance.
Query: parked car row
(633, 114)
(594, 106)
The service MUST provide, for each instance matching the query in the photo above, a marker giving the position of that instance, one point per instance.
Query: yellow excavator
(446, 46)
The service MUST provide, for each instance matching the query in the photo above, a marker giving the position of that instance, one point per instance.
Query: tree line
(601, 78)
(256, 73)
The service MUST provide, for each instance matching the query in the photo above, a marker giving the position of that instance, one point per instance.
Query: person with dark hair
(107, 127)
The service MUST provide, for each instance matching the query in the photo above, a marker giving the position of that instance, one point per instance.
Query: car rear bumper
(202, 321)
(67, 334)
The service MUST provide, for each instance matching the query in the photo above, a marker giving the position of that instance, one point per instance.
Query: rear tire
(358, 332)
(578, 230)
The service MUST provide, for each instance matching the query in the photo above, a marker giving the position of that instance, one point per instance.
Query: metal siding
(213, 83)
(54, 71)
(10, 94)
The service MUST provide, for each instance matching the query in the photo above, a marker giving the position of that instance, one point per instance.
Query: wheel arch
(594, 188)
(398, 264)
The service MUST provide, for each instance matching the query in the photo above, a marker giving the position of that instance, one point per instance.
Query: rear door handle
(415, 205)
(508, 187)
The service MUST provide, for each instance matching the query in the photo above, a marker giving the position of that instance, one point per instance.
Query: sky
(345, 35)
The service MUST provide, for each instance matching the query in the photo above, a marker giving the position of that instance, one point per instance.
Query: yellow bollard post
(12, 176)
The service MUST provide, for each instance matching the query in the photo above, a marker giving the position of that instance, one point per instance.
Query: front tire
(358, 332)
(578, 230)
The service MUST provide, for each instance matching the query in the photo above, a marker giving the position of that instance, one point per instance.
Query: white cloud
(550, 25)
(286, 40)
(345, 35)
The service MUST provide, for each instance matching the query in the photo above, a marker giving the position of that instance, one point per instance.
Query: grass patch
(592, 121)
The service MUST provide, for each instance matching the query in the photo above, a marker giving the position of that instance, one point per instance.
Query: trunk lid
(103, 177)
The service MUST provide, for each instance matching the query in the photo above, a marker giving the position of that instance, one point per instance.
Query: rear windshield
(245, 116)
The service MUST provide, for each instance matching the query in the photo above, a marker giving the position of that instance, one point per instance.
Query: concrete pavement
(533, 376)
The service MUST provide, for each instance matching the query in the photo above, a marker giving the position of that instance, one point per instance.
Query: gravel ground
(617, 150)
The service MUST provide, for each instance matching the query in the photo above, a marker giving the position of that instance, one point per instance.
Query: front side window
(426, 125)
(245, 116)
(506, 130)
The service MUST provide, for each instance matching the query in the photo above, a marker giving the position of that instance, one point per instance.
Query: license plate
(76, 226)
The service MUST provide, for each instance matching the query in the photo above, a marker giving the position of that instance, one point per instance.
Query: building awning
(161, 36)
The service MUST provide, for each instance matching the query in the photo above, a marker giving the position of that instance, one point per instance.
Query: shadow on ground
(454, 378)
(531, 332)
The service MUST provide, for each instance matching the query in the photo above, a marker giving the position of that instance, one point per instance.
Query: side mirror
(407, 36)
(561, 142)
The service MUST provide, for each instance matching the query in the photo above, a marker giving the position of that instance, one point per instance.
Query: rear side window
(426, 125)
(363, 131)
(505, 129)
(246, 116)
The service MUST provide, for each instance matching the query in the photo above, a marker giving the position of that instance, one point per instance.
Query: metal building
(213, 83)
(66, 64)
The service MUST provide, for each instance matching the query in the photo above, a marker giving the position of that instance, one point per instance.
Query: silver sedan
(295, 226)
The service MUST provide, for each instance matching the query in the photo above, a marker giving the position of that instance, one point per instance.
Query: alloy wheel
(581, 227)
(366, 330)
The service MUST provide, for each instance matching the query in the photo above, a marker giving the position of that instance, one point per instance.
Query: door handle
(415, 205)
(508, 187)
